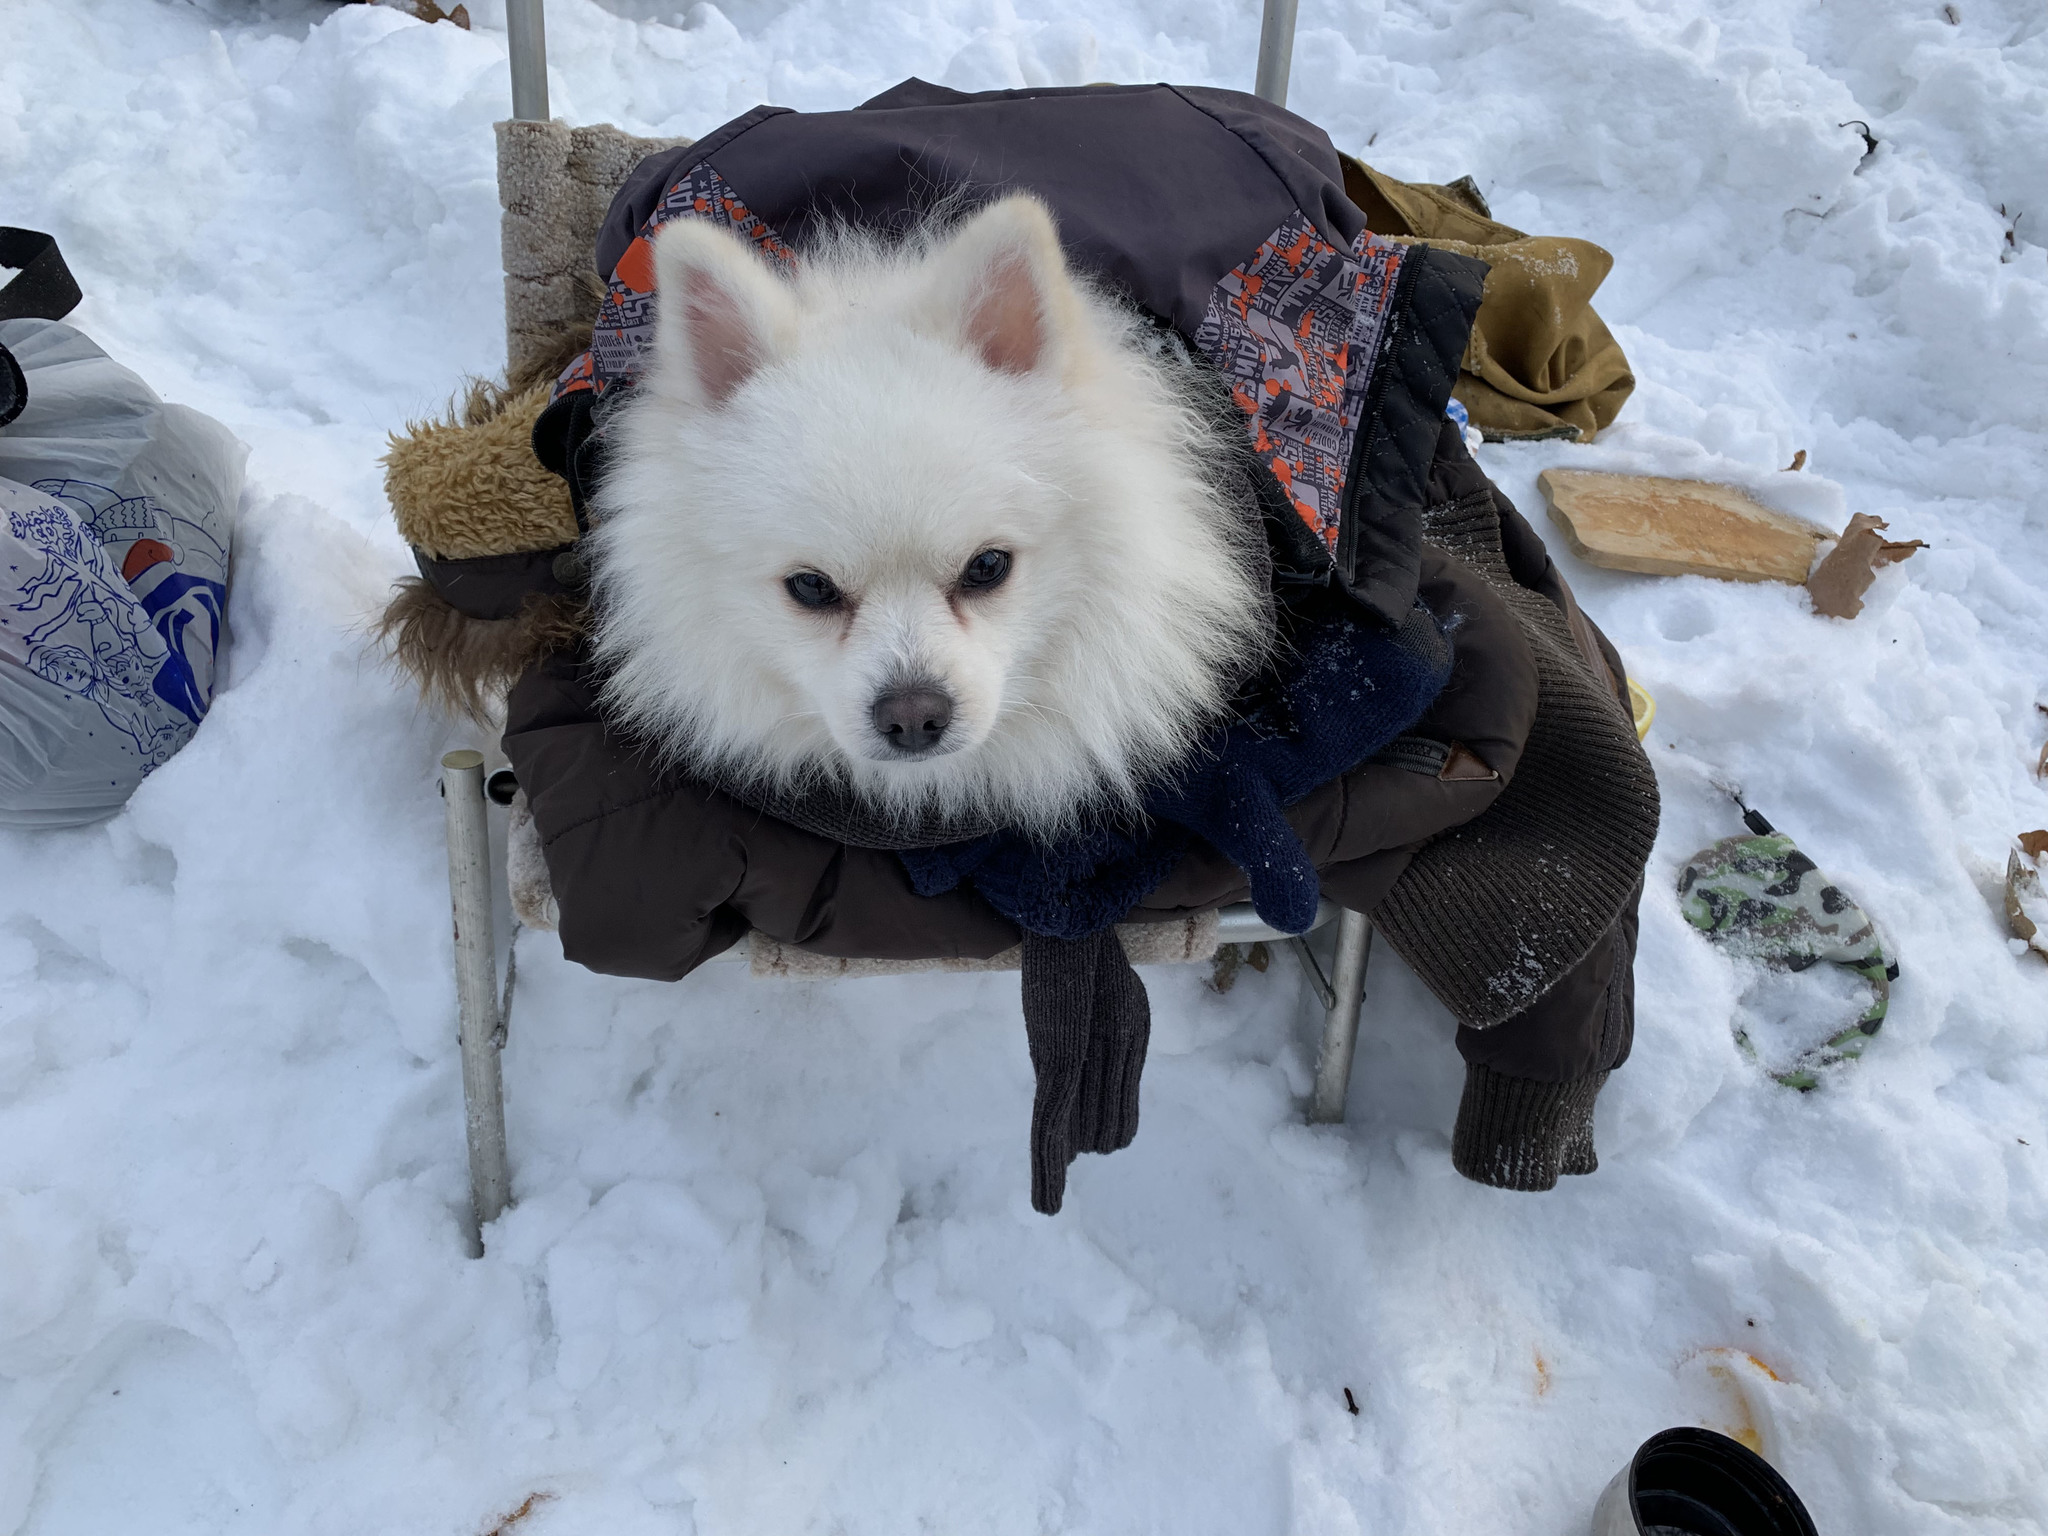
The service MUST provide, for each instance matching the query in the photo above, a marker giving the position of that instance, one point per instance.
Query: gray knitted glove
(1088, 1021)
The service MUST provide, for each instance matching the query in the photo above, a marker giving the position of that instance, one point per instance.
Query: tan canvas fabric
(1541, 362)
(1179, 941)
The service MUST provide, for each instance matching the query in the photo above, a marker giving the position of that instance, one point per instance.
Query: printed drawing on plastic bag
(116, 513)
(84, 624)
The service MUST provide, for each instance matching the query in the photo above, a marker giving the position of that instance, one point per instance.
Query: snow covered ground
(773, 1268)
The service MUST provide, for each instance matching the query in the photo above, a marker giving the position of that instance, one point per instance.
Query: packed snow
(772, 1266)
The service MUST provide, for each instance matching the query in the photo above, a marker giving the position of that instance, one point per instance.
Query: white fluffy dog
(930, 518)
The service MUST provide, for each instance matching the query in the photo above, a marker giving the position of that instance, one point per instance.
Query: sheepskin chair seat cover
(556, 184)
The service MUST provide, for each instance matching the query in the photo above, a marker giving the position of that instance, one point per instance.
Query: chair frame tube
(462, 783)
(476, 990)
(526, 41)
(1276, 51)
(1340, 1024)
(1345, 994)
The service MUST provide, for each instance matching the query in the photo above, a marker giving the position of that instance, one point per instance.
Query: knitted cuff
(1516, 1133)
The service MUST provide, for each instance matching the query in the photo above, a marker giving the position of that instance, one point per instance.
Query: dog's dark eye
(812, 589)
(986, 570)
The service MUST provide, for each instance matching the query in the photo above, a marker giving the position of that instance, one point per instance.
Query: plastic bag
(116, 516)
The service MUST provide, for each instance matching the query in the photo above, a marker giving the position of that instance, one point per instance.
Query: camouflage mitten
(1765, 900)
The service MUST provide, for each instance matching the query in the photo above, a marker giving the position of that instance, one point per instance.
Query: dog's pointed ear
(720, 312)
(1001, 286)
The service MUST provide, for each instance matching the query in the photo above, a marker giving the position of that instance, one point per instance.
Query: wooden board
(1677, 527)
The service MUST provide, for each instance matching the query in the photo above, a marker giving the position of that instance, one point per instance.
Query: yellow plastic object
(1642, 706)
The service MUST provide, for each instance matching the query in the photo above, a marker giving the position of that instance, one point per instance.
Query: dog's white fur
(882, 415)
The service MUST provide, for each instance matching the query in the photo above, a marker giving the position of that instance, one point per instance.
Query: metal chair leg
(1312, 970)
(1276, 51)
(476, 990)
(1340, 1024)
(526, 41)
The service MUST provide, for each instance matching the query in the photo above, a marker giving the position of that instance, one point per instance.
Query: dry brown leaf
(2017, 880)
(2035, 843)
(1838, 583)
(2041, 763)
(1223, 972)
(533, 1501)
(460, 16)
(1798, 461)
(2022, 890)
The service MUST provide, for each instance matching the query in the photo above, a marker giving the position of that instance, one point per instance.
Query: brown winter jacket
(1502, 871)
(655, 871)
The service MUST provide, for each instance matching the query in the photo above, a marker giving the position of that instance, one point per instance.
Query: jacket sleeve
(655, 872)
(1526, 1115)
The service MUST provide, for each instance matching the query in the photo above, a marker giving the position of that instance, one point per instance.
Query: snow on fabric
(772, 1266)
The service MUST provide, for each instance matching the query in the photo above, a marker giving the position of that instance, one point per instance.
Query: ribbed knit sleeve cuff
(1515, 1133)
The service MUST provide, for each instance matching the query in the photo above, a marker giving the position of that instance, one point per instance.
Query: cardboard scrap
(1840, 581)
(1677, 527)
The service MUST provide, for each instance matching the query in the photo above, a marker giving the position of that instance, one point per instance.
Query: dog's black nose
(913, 719)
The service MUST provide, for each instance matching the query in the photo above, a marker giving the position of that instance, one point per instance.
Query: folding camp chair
(555, 185)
